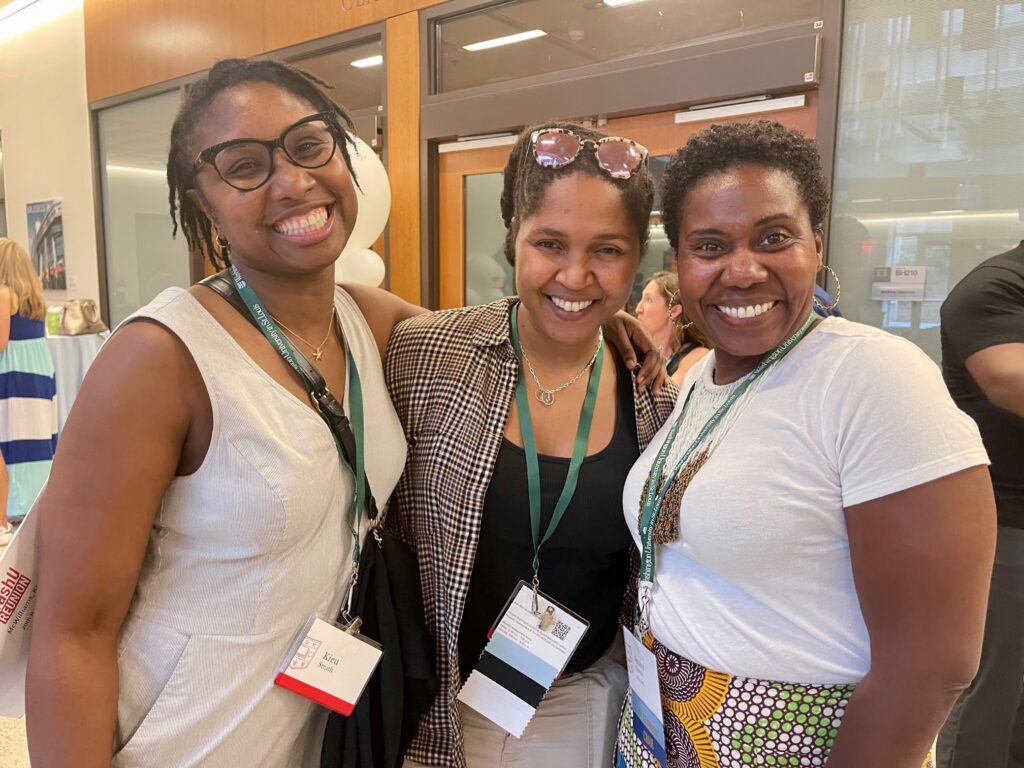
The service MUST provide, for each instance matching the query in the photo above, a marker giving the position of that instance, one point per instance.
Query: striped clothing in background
(28, 413)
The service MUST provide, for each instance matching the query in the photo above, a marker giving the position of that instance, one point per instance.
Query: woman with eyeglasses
(522, 426)
(661, 313)
(198, 512)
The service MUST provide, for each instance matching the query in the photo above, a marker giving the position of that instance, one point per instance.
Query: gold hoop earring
(221, 247)
(839, 291)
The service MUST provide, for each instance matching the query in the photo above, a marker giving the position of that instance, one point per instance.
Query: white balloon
(373, 193)
(362, 266)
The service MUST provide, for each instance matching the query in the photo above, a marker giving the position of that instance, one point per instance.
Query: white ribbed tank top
(241, 553)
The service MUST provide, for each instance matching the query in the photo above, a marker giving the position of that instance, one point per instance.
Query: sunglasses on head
(557, 147)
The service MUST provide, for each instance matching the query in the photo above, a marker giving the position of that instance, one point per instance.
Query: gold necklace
(318, 349)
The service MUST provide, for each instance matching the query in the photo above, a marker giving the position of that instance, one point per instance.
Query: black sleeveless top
(673, 362)
(584, 565)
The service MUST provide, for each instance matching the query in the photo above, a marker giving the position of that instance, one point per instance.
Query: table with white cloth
(72, 356)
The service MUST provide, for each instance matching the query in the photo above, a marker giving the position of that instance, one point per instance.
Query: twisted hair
(668, 287)
(720, 148)
(228, 73)
(525, 182)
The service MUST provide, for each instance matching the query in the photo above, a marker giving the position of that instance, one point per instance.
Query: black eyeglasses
(618, 157)
(247, 164)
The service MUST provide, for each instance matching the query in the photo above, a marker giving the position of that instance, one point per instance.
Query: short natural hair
(225, 74)
(721, 148)
(525, 182)
(18, 274)
(668, 287)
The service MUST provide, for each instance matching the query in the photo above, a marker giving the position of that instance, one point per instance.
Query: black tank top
(585, 564)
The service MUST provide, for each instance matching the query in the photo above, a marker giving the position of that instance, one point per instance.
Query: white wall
(44, 122)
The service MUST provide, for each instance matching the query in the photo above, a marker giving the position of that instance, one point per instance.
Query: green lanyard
(355, 396)
(656, 494)
(579, 450)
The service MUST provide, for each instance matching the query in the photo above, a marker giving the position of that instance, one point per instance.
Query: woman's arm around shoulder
(142, 416)
(382, 310)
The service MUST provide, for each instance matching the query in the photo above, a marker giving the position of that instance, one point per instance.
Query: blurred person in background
(660, 312)
(28, 390)
(983, 364)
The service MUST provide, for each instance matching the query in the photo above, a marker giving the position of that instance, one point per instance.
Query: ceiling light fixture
(497, 42)
(369, 61)
(620, 3)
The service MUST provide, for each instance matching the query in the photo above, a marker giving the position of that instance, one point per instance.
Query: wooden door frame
(453, 167)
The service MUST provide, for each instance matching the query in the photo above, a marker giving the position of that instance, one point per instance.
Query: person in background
(28, 390)
(817, 516)
(576, 205)
(659, 310)
(983, 364)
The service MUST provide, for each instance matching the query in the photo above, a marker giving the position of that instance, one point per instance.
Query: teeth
(749, 311)
(303, 225)
(570, 306)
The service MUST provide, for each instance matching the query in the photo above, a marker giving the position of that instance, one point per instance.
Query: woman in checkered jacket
(576, 205)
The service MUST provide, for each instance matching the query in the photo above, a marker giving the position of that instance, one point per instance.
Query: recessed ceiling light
(497, 42)
(619, 3)
(369, 61)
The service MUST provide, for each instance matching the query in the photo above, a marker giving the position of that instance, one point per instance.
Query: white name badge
(526, 653)
(645, 697)
(328, 665)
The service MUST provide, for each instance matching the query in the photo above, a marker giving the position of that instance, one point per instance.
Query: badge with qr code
(527, 651)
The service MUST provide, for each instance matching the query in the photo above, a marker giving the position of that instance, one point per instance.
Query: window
(929, 155)
(532, 37)
(356, 73)
(141, 257)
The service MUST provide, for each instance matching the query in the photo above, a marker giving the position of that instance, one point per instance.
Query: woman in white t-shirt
(820, 555)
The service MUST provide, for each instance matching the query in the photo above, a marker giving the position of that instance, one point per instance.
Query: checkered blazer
(452, 376)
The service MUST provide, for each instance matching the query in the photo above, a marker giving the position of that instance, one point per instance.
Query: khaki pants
(574, 727)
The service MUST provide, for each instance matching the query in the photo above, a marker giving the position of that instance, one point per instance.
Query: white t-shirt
(760, 583)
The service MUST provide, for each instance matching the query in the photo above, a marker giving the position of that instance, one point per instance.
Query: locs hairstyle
(721, 148)
(525, 183)
(225, 74)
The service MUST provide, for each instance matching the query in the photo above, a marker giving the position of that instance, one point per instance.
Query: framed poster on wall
(46, 242)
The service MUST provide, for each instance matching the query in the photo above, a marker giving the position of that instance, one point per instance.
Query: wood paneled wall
(403, 143)
(131, 44)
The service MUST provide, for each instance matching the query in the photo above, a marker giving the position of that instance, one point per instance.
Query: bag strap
(328, 406)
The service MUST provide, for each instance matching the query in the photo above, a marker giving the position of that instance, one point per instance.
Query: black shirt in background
(984, 309)
(584, 565)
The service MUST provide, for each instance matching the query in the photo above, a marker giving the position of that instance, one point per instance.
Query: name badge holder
(327, 662)
(534, 636)
(523, 658)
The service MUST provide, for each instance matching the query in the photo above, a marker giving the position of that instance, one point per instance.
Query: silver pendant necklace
(547, 396)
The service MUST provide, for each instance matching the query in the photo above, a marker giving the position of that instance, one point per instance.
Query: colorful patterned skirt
(715, 720)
